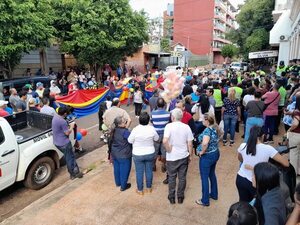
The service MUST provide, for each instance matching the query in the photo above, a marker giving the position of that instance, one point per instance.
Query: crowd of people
(210, 109)
(207, 113)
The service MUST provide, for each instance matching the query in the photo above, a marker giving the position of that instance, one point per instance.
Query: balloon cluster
(172, 86)
(81, 133)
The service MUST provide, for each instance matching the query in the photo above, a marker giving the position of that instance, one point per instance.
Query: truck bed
(28, 125)
(28, 133)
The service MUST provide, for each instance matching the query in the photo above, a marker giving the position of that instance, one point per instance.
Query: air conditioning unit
(284, 38)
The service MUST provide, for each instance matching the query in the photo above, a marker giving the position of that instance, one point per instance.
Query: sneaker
(148, 190)
(77, 175)
(127, 187)
(270, 142)
(102, 136)
(172, 200)
(105, 140)
(231, 143)
(79, 150)
(139, 192)
(199, 202)
(224, 143)
(180, 200)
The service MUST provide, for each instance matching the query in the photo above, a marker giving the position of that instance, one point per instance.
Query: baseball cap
(28, 86)
(39, 84)
(2, 102)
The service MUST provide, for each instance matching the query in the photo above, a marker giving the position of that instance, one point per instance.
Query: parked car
(19, 83)
(239, 66)
(27, 152)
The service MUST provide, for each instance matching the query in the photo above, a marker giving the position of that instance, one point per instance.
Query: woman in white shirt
(138, 101)
(250, 154)
(142, 139)
(200, 109)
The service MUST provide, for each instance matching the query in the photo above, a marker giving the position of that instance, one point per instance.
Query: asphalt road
(17, 197)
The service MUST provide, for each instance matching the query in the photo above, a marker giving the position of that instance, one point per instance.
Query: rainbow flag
(84, 102)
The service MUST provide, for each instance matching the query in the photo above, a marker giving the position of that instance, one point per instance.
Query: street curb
(60, 192)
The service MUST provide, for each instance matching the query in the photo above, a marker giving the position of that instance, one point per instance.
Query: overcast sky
(155, 8)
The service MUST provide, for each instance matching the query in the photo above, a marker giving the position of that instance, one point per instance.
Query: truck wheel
(40, 173)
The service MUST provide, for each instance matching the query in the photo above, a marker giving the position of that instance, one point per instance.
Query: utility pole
(159, 42)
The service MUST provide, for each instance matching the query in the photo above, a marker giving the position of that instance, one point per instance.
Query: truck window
(2, 138)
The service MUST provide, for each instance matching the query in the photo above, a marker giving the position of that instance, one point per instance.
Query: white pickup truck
(27, 152)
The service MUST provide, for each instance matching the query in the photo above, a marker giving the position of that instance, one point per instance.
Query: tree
(24, 26)
(255, 21)
(99, 31)
(229, 50)
(258, 40)
(165, 44)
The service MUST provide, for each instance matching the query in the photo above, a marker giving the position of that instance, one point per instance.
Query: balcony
(221, 38)
(221, 5)
(220, 27)
(220, 16)
(230, 14)
(216, 49)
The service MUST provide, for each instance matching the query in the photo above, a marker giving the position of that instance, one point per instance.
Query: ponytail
(255, 134)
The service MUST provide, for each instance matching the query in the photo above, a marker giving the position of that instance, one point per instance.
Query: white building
(286, 31)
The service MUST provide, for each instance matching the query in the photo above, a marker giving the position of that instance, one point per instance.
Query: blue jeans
(229, 124)
(251, 122)
(207, 167)
(69, 155)
(122, 169)
(143, 165)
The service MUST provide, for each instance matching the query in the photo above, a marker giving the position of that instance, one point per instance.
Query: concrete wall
(138, 60)
(36, 60)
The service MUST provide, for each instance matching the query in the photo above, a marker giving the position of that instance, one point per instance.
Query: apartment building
(201, 26)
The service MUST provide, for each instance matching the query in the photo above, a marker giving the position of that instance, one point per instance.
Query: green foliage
(258, 40)
(99, 31)
(24, 26)
(165, 45)
(229, 50)
(255, 21)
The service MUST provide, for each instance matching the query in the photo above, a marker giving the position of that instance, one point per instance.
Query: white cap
(2, 103)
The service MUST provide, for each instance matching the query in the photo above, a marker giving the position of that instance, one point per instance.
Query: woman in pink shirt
(271, 100)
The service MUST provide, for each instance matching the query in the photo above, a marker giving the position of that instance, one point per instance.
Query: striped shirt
(160, 118)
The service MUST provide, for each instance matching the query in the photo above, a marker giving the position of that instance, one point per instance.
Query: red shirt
(186, 117)
(3, 113)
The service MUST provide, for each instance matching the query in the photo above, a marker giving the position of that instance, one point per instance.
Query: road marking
(92, 127)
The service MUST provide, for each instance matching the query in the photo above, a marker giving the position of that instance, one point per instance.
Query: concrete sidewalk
(95, 199)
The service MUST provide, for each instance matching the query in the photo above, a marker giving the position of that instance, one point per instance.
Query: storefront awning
(158, 53)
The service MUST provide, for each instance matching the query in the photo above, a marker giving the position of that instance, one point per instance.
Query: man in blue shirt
(160, 118)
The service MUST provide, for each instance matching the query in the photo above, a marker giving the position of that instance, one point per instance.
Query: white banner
(263, 54)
